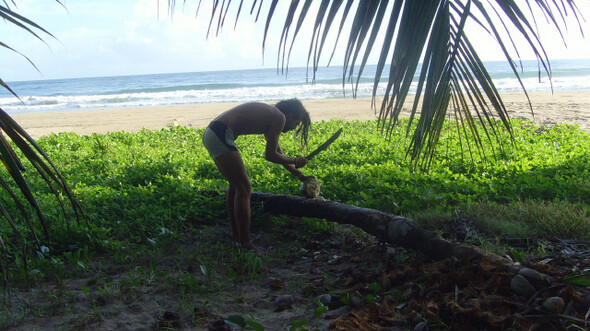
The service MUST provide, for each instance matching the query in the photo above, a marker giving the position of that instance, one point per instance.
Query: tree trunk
(396, 230)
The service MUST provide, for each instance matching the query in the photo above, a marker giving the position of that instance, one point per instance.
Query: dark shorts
(218, 139)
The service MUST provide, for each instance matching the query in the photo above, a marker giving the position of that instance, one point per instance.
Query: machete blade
(324, 145)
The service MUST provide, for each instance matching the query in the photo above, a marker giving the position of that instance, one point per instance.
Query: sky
(113, 37)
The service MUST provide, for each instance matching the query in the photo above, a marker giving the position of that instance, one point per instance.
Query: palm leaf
(334, 8)
(429, 37)
(285, 32)
(22, 22)
(11, 131)
(314, 41)
(215, 4)
(42, 163)
(5, 86)
(373, 37)
(2, 83)
(302, 15)
(273, 6)
(393, 19)
(23, 212)
(366, 17)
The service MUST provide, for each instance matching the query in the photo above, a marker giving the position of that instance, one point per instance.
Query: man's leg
(232, 167)
(229, 206)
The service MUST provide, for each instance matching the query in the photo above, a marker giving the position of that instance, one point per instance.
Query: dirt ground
(334, 278)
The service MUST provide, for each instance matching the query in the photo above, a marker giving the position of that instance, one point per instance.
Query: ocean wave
(242, 86)
(544, 84)
(181, 97)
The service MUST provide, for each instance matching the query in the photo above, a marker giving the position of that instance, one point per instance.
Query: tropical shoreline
(571, 107)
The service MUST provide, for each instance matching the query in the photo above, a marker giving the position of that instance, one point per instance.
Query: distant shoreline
(550, 109)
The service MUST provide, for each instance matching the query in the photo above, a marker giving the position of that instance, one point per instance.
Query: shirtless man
(253, 118)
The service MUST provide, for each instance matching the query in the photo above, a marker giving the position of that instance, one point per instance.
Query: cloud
(117, 38)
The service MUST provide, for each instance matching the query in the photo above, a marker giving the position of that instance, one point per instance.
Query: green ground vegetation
(144, 188)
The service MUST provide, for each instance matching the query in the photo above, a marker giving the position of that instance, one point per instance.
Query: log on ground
(394, 229)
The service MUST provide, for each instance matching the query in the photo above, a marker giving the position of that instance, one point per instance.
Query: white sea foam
(244, 85)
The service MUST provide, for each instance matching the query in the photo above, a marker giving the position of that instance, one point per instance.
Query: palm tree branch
(214, 10)
(259, 9)
(436, 95)
(3, 84)
(377, 20)
(300, 20)
(459, 118)
(7, 216)
(462, 92)
(285, 33)
(44, 165)
(344, 16)
(361, 25)
(521, 23)
(413, 30)
(335, 6)
(225, 12)
(506, 54)
(41, 168)
(19, 53)
(389, 33)
(357, 32)
(472, 73)
(23, 212)
(314, 40)
(238, 14)
(12, 166)
(22, 22)
(271, 10)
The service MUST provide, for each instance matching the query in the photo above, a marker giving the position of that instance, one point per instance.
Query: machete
(324, 145)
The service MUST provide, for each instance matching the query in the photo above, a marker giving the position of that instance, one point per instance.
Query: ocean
(248, 85)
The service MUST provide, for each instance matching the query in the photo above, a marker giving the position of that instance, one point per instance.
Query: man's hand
(300, 162)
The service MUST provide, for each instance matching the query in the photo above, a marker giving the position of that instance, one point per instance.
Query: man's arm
(291, 168)
(272, 153)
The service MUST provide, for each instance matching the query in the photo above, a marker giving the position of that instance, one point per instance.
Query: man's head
(297, 118)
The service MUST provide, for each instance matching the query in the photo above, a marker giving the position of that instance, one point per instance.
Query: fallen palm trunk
(396, 230)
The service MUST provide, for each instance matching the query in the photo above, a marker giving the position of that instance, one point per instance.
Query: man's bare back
(253, 118)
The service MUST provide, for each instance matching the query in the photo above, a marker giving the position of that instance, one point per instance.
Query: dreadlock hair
(295, 107)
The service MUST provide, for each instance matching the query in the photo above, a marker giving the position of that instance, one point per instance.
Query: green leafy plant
(248, 263)
(321, 308)
(157, 184)
(582, 279)
(375, 296)
(519, 256)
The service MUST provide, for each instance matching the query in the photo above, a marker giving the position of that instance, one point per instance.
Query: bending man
(253, 118)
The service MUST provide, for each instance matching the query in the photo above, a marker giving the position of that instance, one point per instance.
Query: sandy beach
(549, 109)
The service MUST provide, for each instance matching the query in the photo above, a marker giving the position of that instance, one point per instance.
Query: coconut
(310, 188)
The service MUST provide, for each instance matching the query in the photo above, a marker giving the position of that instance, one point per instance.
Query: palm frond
(429, 38)
(10, 130)
(11, 133)
(10, 16)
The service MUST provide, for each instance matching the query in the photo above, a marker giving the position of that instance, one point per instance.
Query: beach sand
(549, 109)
